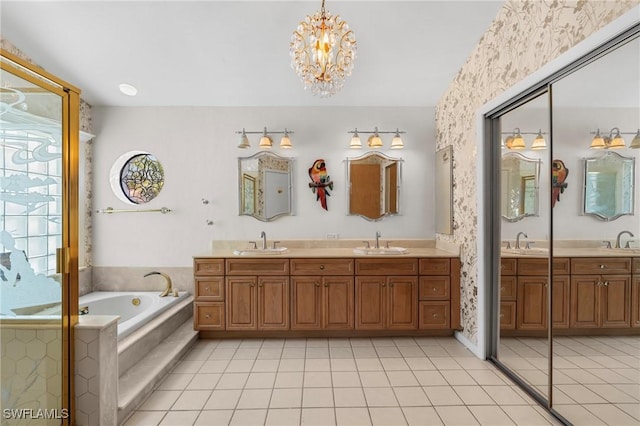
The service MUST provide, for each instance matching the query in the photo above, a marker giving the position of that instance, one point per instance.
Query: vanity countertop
(572, 252)
(327, 252)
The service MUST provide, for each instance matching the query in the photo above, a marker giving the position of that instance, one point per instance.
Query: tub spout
(169, 288)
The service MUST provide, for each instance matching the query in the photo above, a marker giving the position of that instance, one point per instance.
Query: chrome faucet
(620, 235)
(520, 234)
(263, 235)
(377, 239)
(168, 288)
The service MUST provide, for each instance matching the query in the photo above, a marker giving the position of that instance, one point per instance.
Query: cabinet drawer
(208, 267)
(405, 266)
(508, 288)
(561, 266)
(508, 266)
(210, 289)
(209, 316)
(507, 315)
(434, 266)
(321, 266)
(434, 288)
(257, 267)
(433, 315)
(601, 265)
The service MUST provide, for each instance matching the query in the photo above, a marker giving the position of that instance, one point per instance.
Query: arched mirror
(264, 186)
(608, 186)
(374, 185)
(519, 191)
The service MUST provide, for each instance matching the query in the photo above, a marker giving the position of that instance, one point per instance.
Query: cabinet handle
(207, 289)
(435, 315)
(603, 266)
(599, 283)
(259, 285)
(208, 316)
(384, 284)
(326, 284)
(391, 284)
(434, 289)
(606, 283)
(317, 284)
(321, 266)
(253, 285)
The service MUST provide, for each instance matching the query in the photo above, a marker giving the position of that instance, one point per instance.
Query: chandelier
(322, 51)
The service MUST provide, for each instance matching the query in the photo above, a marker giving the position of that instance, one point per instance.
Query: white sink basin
(372, 251)
(527, 252)
(259, 251)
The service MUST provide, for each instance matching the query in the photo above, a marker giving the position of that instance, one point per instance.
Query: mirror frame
(241, 179)
(622, 159)
(444, 190)
(537, 164)
(366, 155)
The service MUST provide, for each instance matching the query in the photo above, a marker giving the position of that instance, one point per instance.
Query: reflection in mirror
(596, 335)
(608, 186)
(264, 186)
(374, 185)
(520, 176)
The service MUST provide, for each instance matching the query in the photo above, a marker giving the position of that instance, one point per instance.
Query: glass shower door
(35, 239)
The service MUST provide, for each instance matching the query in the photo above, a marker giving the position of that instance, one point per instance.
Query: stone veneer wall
(524, 36)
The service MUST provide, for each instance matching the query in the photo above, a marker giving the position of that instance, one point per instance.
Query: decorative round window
(137, 177)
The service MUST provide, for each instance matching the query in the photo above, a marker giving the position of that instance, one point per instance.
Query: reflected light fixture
(265, 140)
(375, 141)
(355, 141)
(635, 143)
(322, 50)
(515, 140)
(614, 140)
(539, 142)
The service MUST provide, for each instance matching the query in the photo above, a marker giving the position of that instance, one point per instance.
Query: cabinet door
(306, 310)
(615, 305)
(560, 301)
(584, 301)
(532, 303)
(370, 302)
(337, 301)
(402, 305)
(241, 303)
(635, 301)
(507, 315)
(273, 303)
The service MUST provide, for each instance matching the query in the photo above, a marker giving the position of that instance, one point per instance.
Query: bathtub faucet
(167, 278)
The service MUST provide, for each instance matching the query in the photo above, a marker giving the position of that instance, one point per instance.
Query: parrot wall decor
(320, 182)
(559, 175)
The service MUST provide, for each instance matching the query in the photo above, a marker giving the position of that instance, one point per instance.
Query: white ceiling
(236, 53)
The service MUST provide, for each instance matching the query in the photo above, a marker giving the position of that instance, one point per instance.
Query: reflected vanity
(519, 190)
(264, 186)
(608, 186)
(374, 185)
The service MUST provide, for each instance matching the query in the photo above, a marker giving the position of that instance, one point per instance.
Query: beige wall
(524, 36)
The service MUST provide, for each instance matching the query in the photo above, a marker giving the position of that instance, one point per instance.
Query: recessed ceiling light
(128, 89)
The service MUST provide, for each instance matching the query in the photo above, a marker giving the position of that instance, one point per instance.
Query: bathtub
(134, 308)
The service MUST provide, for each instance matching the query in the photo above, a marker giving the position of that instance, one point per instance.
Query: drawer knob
(435, 315)
(434, 289)
(501, 315)
(502, 288)
(317, 284)
(383, 284)
(606, 283)
(603, 266)
(207, 289)
(208, 316)
(321, 266)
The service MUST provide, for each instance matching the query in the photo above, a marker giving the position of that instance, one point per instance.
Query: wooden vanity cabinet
(602, 300)
(635, 293)
(437, 307)
(323, 301)
(257, 297)
(209, 294)
(386, 294)
(508, 293)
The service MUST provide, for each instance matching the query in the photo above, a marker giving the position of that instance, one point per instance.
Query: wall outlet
(331, 236)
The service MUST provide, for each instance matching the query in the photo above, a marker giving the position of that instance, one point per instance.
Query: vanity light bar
(515, 140)
(614, 140)
(265, 140)
(374, 140)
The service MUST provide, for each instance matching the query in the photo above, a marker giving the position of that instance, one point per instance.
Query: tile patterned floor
(358, 381)
(596, 379)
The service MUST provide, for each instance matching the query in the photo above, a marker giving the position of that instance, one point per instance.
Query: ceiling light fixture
(374, 141)
(614, 140)
(265, 140)
(128, 89)
(515, 140)
(322, 50)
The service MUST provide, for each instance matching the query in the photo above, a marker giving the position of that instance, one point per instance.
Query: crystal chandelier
(323, 49)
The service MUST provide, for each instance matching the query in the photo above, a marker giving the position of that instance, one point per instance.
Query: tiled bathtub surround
(524, 36)
(133, 279)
